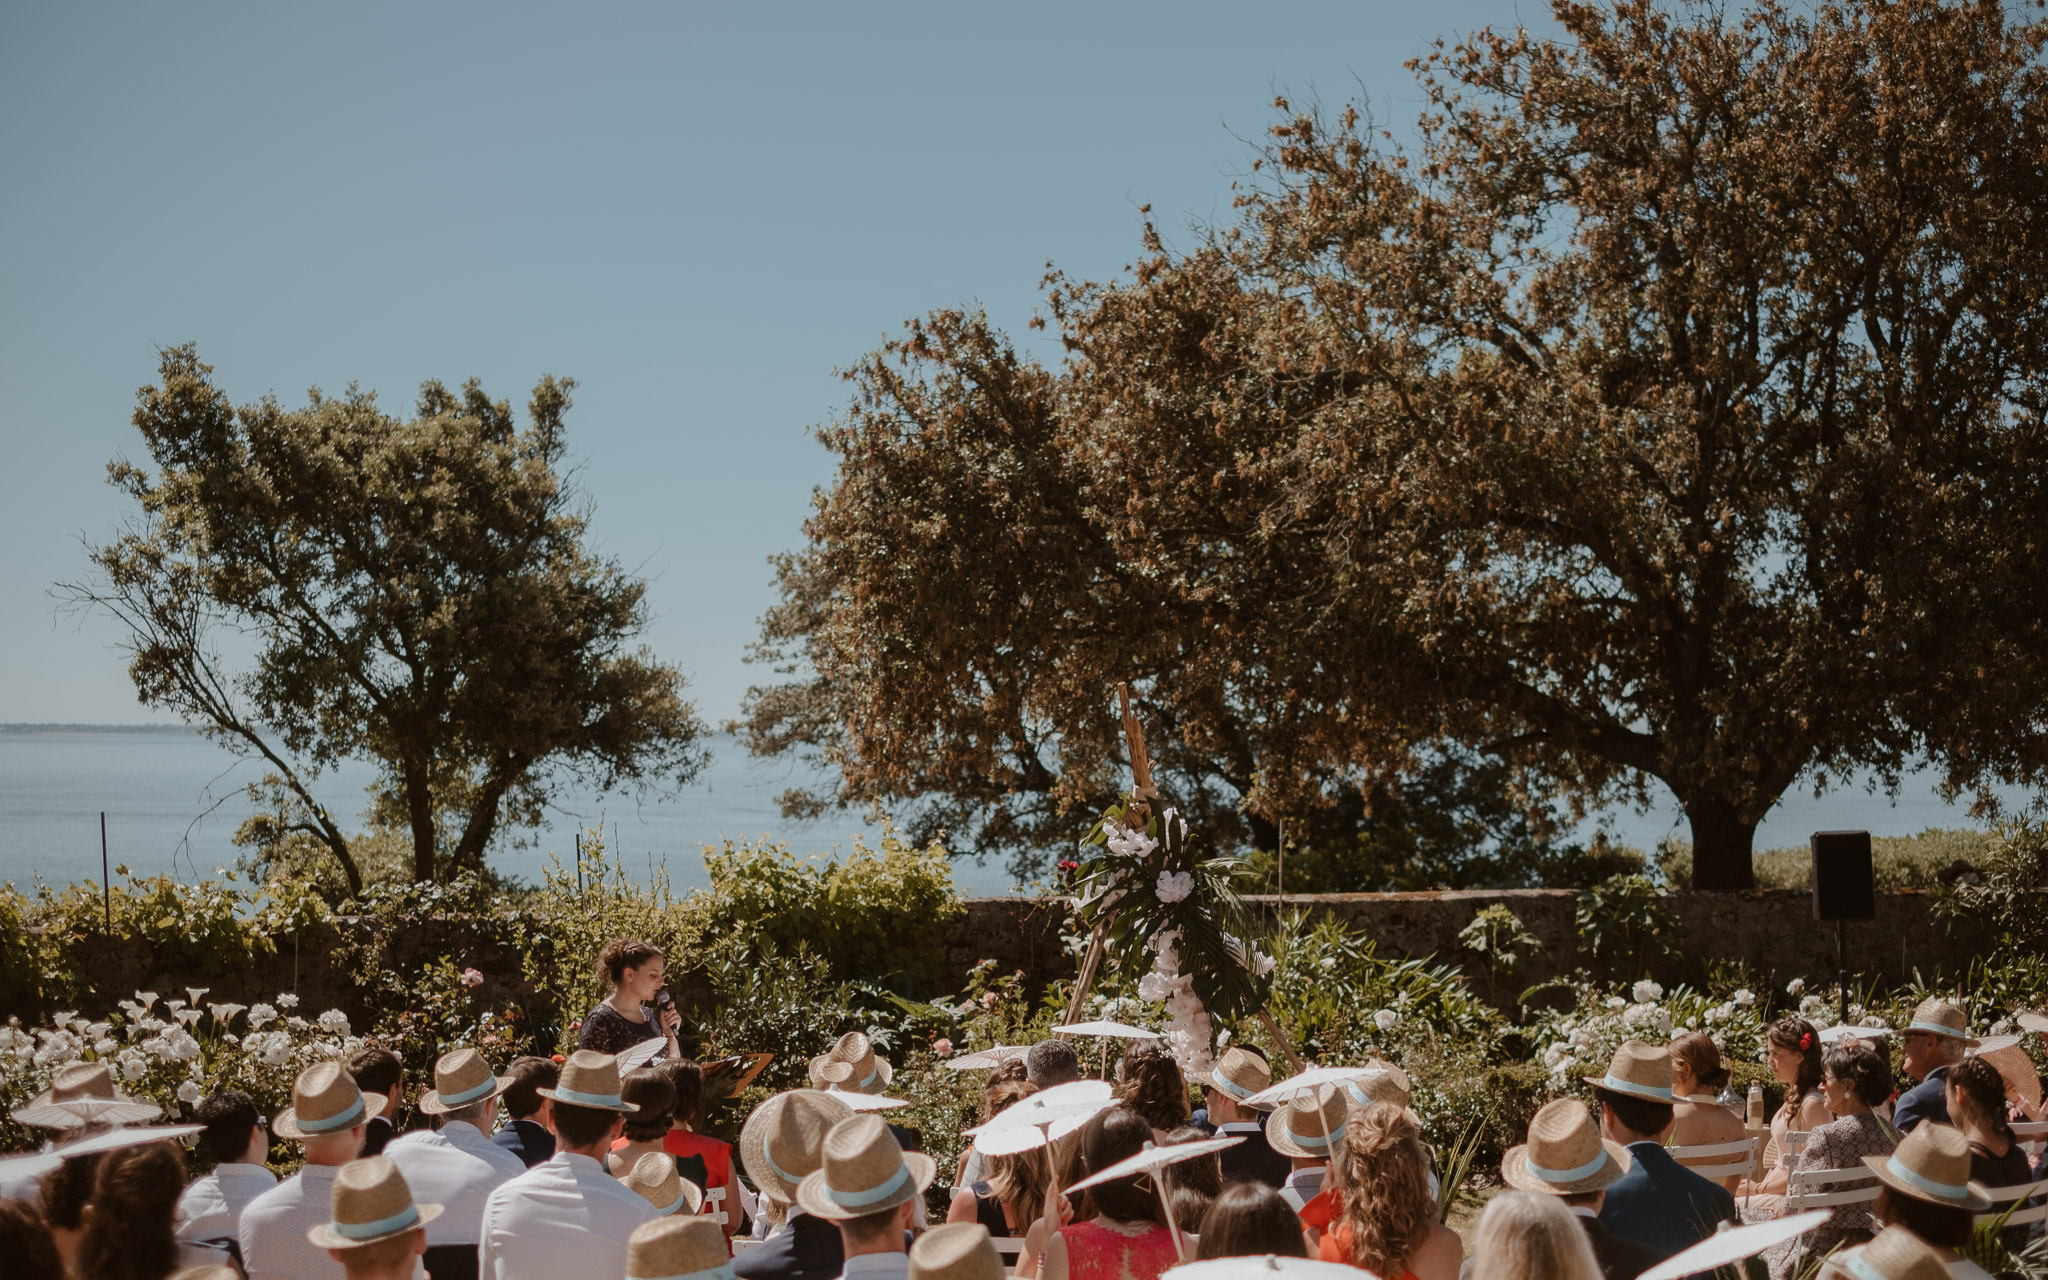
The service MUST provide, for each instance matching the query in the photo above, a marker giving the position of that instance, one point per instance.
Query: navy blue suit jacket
(1254, 1160)
(530, 1141)
(810, 1250)
(1662, 1204)
(1927, 1100)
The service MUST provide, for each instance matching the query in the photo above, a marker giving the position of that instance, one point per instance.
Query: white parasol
(1733, 1245)
(73, 1113)
(1151, 1160)
(1843, 1031)
(1992, 1044)
(115, 1139)
(2034, 1022)
(633, 1057)
(983, 1059)
(1044, 1116)
(33, 1165)
(1120, 1030)
(1313, 1078)
(1258, 1268)
(867, 1101)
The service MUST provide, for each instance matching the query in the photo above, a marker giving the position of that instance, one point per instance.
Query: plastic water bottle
(1756, 1106)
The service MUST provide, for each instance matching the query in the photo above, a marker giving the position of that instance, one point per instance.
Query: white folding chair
(1805, 1191)
(2032, 1134)
(714, 1205)
(1720, 1160)
(1008, 1248)
(2026, 1213)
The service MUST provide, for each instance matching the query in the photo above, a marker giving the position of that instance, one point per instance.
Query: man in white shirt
(210, 1210)
(327, 1116)
(457, 1166)
(869, 1186)
(566, 1218)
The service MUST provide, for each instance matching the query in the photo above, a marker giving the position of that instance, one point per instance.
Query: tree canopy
(418, 592)
(1669, 409)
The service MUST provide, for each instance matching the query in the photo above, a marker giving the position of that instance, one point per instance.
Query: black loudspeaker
(1843, 887)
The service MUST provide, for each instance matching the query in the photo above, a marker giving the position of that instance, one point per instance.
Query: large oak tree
(417, 592)
(1670, 409)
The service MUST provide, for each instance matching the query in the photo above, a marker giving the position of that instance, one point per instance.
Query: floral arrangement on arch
(1170, 915)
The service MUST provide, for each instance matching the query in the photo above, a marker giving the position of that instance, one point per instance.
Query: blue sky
(699, 212)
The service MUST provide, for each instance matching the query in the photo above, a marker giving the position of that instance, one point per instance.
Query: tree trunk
(1720, 845)
(419, 807)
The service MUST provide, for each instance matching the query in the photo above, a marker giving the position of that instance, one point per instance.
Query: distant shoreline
(100, 728)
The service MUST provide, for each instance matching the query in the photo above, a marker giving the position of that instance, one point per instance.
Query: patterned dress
(1839, 1144)
(1094, 1252)
(606, 1030)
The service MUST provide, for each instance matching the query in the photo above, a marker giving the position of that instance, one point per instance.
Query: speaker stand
(1842, 972)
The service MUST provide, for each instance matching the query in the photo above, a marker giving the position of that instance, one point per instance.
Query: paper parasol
(1122, 1031)
(1843, 1031)
(115, 1139)
(2034, 1022)
(1048, 1105)
(983, 1059)
(633, 1057)
(1151, 1160)
(1992, 1044)
(1313, 1078)
(1733, 1245)
(867, 1101)
(1256, 1268)
(1025, 1137)
(33, 1165)
(2018, 1069)
(74, 1113)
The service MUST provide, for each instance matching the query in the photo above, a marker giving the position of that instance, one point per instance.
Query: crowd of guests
(579, 1169)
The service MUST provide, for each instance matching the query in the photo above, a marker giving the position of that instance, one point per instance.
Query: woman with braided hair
(1384, 1218)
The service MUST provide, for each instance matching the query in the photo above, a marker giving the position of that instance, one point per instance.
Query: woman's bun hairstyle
(621, 954)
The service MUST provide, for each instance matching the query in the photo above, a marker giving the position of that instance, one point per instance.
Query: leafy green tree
(417, 592)
(1670, 412)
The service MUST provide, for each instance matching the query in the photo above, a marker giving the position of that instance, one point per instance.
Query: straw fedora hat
(678, 1248)
(370, 1202)
(1387, 1083)
(1896, 1254)
(589, 1079)
(1941, 1018)
(324, 1100)
(1932, 1163)
(1638, 1070)
(654, 1179)
(863, 1171)
(83, 1093)
(1239, 1074)
(851, 1064)
(461, 1079)
(956, 1251)
(783, 1141)
(1311, 1124)
(1565, 1154)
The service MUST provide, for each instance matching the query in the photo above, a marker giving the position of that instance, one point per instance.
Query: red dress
(1097, 1253)
(1335, 1246)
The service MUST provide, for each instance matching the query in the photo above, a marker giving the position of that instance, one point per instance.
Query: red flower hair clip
(1805, 1041)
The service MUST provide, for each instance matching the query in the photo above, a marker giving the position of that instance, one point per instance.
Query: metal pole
(579, 862)
(1842, 971)
(106, 876)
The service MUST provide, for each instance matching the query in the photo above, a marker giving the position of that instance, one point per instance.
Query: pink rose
(943, 1047)
(988, 999)
(472, 978)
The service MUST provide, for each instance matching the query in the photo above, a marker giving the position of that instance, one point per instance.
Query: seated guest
(129, 1233)
(1531, 1237)
(868, 1185)
(1658, 1203)
(26, 1243)
(566, 1216)
(1200, 1117)
(1191, 1183)
(61, 1197)
(1935, 1040)
(1976, 1107)
(670, 1247)
(1382, 1215)
(656, 1181)
(1014, 1192)
(1792, 1050)
(456, 1166)
(1250, 1220)
(781, 1144)
(1896, 1254)
(1567, 1158)
(635, 972)
(1052, 1062)
(999, 1092)
(1697, 1078)
(1149, 1082)
(1927, 1190)
(1239, 1074)
(1306, 1131)
(1387, 1083)
(526, 1133)
(1118, 1228)
(327, 1118)
(379, 1074)
(376, 1232)
(1854, 1079)
(851, 1065)
(210, 1211)
(700, 1159)
(956, 1251)
(649, 1090)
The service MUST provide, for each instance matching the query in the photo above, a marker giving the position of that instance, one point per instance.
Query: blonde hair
(1384, 1209)
(1525, 1236)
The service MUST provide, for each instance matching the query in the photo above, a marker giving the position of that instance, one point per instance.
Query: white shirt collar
(576, 1161)
(895, 1265)
(1238, 1126)
(243, 1169)
(461, 1131)
(1584, 1211)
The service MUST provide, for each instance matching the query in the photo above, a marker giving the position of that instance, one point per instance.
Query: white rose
(189, 1093)
(1744, 997)
(260, 1016)
(287, 1001)
(1616, 1002)
(1385, 1019)
(1175, 886)
(1795, 986)
(1647, 992)
(334, 1022)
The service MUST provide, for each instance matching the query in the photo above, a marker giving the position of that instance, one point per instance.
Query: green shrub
(1897, 862)
(1624, 923)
